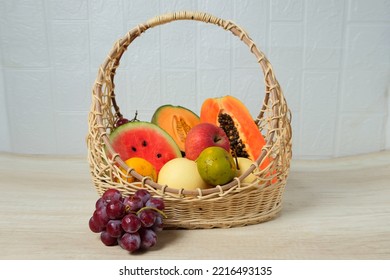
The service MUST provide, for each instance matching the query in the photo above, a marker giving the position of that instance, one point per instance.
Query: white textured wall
(332, 59)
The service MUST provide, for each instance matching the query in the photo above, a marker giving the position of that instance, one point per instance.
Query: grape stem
(135, 117)
(152, 208)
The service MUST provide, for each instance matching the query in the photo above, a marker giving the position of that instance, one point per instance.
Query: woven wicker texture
(233, 204)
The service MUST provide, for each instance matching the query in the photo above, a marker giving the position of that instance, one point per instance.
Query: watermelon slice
(145, 140)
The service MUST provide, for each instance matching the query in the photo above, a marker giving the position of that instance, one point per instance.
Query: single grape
(130, 241)
(114, 228)
(147, 217)
(143, 194)
(94, 226)
(100, 217)
(115, 209)
(120, 122)
(101, 202)
(107, 239)
(158, 223)
(112, 195)
(155, 202)
(133, 202)
(148, 238)
(131, 223)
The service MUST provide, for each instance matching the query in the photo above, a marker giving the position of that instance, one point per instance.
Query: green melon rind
(163, 107)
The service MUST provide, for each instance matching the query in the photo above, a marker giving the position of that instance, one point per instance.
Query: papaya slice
(234, 118)
(176, 121)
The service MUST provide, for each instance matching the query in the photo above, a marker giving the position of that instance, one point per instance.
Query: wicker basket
(234, 204)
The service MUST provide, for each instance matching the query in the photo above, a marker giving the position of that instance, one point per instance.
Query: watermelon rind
(146, 140)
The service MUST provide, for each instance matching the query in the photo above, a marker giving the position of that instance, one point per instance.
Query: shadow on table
(164, 239)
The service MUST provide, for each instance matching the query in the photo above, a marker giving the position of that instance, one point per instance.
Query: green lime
(216, 166)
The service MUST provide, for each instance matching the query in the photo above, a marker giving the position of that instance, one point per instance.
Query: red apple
(202, 136)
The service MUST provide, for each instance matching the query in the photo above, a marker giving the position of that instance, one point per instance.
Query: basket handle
(270, 80)
(113, 58)
(111, 63)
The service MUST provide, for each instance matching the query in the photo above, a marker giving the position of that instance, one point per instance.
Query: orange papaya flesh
(235, 119)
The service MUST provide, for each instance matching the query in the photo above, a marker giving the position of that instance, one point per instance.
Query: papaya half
(234, 118)
(176, 121)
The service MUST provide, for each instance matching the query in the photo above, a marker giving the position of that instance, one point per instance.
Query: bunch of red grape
(130, 221)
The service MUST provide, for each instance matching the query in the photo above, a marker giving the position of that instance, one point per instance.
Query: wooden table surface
(333, 209)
